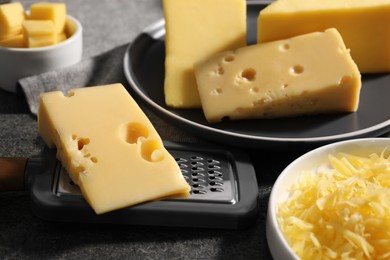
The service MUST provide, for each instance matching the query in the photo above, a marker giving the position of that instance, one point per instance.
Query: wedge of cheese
(307, 74)
(109, 147)
(196, 29)
(11, 17)
(363, 24)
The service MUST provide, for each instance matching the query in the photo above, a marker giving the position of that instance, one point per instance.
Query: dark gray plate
(144, 70)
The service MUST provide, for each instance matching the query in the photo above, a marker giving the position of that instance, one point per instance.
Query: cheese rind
(196, 29)
(307, 74)
(109, 147)
(364, 26)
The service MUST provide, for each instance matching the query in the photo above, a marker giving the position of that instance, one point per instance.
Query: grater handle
(12, 173)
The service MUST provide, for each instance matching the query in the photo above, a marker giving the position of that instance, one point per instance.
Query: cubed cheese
(196, 29)
(11, 17)
(307, 74)
(39, 33)
(56, 12)
(13, 42)
(363, 24)
(109, 147)
(61, 37)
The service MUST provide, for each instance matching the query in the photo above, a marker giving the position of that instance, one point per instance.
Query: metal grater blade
(210, 176)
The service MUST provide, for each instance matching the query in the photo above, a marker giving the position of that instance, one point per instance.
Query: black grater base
(224, 192)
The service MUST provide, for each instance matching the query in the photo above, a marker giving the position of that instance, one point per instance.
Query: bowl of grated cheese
(332, 203)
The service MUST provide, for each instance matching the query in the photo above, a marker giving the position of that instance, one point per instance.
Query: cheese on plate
(363, 24)
(196, 29)
(109, 147)
(308, 74)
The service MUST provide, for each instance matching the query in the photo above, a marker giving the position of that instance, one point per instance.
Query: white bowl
(278, 245)
(17, 63)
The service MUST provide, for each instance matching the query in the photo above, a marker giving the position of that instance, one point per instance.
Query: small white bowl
(17, 63)
(277, 243)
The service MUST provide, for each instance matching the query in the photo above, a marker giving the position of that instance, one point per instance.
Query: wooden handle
(12, 171)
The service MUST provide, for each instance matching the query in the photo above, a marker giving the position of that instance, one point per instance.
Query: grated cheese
(342, 211)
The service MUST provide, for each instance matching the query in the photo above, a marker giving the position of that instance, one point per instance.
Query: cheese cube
(196, 29)
(109, 147)
(363, 24)
(11, 17)
(39, 33)
(308, 74)
(13, 42)
(55, 12)
(61, 37)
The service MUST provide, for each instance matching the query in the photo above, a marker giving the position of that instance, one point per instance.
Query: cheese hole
(248, 74)
(133, 131)
(297, 69)
(259, 102)
(152, 151)
(229, 58)
(94, 159)
(345, 81)
(80, 168)
(157, 155)
(254, 90)
(284, 47)
(216, 92)
(220, 70)
(82, 142)
(285, 85)
(77, 166)
(70, 94)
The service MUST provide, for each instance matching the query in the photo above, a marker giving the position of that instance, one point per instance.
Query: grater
(224, 192)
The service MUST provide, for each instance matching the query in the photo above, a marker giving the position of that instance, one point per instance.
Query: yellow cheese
(109, 147)
(11, 17)
(342, 211)
(61, 37)
(39, 33)
(55, 12)
(13, 42)
(307, 74)
(363, 24)
(196, 29)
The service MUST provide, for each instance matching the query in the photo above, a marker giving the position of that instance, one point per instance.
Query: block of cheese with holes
(109, 147)
(363, 24)
(196, 29)
(307, 74)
